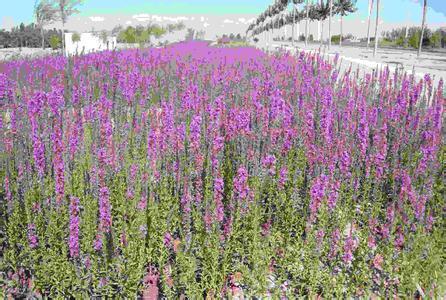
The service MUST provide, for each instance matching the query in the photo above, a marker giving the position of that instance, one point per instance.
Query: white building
(89, 42)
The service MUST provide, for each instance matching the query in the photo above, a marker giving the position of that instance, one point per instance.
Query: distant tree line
(34, 36)
(193, 34)
(141, 34)
(410, 37)
(29, 36)
(234, 37)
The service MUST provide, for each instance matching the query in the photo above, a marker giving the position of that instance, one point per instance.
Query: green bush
(75, 37)
(335, 39)
(435, 40)
(400, 41)
(414, 40)
(55, 42)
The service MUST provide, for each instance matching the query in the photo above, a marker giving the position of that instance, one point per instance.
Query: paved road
(429, 63)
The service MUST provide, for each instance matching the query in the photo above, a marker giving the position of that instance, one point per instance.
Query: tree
(329, 22)
(66, 8)
(435, 39)
(117, 30)
(376, 28)
(322, 12)
(5, 39)
(423, 22)
(368, 21)
(190, 34)
(320, 22)
(294, 22)
(45, 14)
(306, 23)
(21, 34)
(128, 35)
(75, 38)
(345, 7)
(103, 35)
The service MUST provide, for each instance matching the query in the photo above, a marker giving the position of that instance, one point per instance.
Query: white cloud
(142, 17)
(157, 18)
(227, 21)
(97, 19)
(206, 24)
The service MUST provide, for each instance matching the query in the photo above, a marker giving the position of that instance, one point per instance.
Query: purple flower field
(198, 172)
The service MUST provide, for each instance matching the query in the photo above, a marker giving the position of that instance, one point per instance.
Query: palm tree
(323, 11)
(306, 23)
(343, 8)
(423, 22)
(283, 23)
(44, 14)
(329, 22)
(376, 28)
(319, 25)
(321, 21)
(368, 21)
(294, 21)
(66, 8)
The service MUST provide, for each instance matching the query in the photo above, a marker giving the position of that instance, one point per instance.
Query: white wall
(88, 43)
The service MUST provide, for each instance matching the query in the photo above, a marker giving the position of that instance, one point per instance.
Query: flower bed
(213, 172)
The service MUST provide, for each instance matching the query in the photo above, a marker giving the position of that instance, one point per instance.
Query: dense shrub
(55, 42)
(335, 39)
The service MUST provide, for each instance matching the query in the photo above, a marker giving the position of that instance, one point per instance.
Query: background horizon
(218, 17)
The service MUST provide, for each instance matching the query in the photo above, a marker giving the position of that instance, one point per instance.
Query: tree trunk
(272, 32)
(329, 23)
(376, 28)
(322, 27)
(43, 37)
(368, 21)
(423, 22)
(63, 38)
(298, 31)
(306, 25)
(406, 36)
(285, 32)
(340, 38)
(294, 24)
(322, 32)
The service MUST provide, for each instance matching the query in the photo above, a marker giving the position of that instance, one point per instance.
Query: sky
(209, 14)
